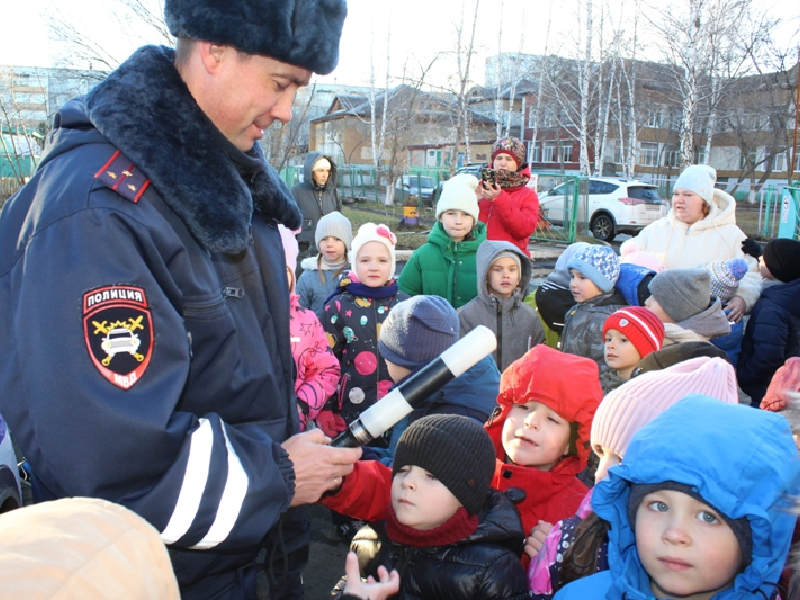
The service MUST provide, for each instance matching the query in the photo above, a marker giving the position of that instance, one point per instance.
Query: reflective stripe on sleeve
(232, 499)
(194, 484)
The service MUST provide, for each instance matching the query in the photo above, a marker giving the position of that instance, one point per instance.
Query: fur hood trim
(179, 150)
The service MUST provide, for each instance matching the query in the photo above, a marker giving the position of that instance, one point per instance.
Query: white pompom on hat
(699, 179)
(458, 193)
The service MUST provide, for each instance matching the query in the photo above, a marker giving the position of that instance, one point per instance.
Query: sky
(418, 33)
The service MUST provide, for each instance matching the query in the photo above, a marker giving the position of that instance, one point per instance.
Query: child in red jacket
(542, 431)
(441, 526)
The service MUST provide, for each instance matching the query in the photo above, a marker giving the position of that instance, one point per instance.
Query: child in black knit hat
(440, 524)
(772, 333)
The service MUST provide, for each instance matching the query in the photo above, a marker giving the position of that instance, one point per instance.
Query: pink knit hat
(629, 253)
(784, 385)
(290, 251)
(634, 404)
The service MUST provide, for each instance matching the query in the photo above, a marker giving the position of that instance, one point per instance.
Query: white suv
(612, 205)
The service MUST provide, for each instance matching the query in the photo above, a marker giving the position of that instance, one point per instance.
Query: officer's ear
(213, 55)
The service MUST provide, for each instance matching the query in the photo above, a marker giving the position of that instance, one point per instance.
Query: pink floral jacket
(317, 368)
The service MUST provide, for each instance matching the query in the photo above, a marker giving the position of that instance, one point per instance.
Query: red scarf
(456, 528)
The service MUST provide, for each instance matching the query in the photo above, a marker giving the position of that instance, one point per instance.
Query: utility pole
(796, 119)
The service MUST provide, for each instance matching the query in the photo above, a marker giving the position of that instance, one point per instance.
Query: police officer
(143, 292)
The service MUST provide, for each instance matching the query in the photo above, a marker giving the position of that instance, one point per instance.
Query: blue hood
(476, 389)
(745, 465)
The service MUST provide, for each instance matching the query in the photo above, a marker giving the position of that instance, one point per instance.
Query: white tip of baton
(466, 352)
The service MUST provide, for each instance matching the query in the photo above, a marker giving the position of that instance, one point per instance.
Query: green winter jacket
(444, 267)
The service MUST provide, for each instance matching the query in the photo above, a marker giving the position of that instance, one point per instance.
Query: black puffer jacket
(485, 565)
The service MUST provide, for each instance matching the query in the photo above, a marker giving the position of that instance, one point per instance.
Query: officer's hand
(317, 466)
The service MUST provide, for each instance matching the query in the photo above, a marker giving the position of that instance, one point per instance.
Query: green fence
(789, 222)
(364, 183)
(560, 202)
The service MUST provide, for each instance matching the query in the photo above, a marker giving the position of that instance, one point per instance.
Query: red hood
(567, 384)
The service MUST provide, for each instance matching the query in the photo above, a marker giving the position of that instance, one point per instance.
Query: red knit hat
(641, 326)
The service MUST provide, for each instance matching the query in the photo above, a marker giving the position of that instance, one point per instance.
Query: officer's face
(243, 95)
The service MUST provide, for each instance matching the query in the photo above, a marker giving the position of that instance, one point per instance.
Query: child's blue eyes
(707, 517)
(658, 506)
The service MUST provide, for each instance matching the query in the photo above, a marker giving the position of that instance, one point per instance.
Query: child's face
(685, 546)
(420, 500)
(396, 372)
(456, 224)
(332, 249)
(582, 287)
(656, 309)
(620, 353)
(608, 458)
(762, 267)
(503, 277)
(535, 436)
(373, 264)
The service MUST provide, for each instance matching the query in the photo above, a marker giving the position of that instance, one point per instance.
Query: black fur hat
(304, 33)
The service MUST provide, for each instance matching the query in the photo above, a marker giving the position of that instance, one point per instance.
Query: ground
(326, 559)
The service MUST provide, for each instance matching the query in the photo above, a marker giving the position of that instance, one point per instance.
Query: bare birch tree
(463, 61)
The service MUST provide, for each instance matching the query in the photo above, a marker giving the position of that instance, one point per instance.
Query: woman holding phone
(509, 208)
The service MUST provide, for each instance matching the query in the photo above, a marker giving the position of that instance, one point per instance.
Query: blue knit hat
(418, 330)
(599, 263)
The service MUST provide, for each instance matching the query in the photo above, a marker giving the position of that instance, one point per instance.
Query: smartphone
(489, 176)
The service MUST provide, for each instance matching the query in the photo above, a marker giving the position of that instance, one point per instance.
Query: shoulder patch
(118, 330)
(122, 176)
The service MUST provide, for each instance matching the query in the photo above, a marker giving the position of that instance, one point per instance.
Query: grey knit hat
(512, 255)
(682, 293)
(334, 224)
(454, 449)
(599, 263)
(303, 33)
(418, 330)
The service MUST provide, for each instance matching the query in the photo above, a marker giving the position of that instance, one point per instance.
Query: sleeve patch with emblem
(118, 330)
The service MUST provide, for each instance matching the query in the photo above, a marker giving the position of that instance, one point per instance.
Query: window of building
(549, 118)
(566, 153)
(648, 154)
(747, 159)
(549, 153)
(779, 162)
(699, 155)
(672, 158)
(532, 116)
(653, 118)
(536, 153)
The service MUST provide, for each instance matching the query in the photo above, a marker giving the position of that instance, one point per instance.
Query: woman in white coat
(700, 228)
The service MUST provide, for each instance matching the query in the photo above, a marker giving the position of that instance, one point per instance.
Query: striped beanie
(634, 404)
(725, 277)
(641, 326)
